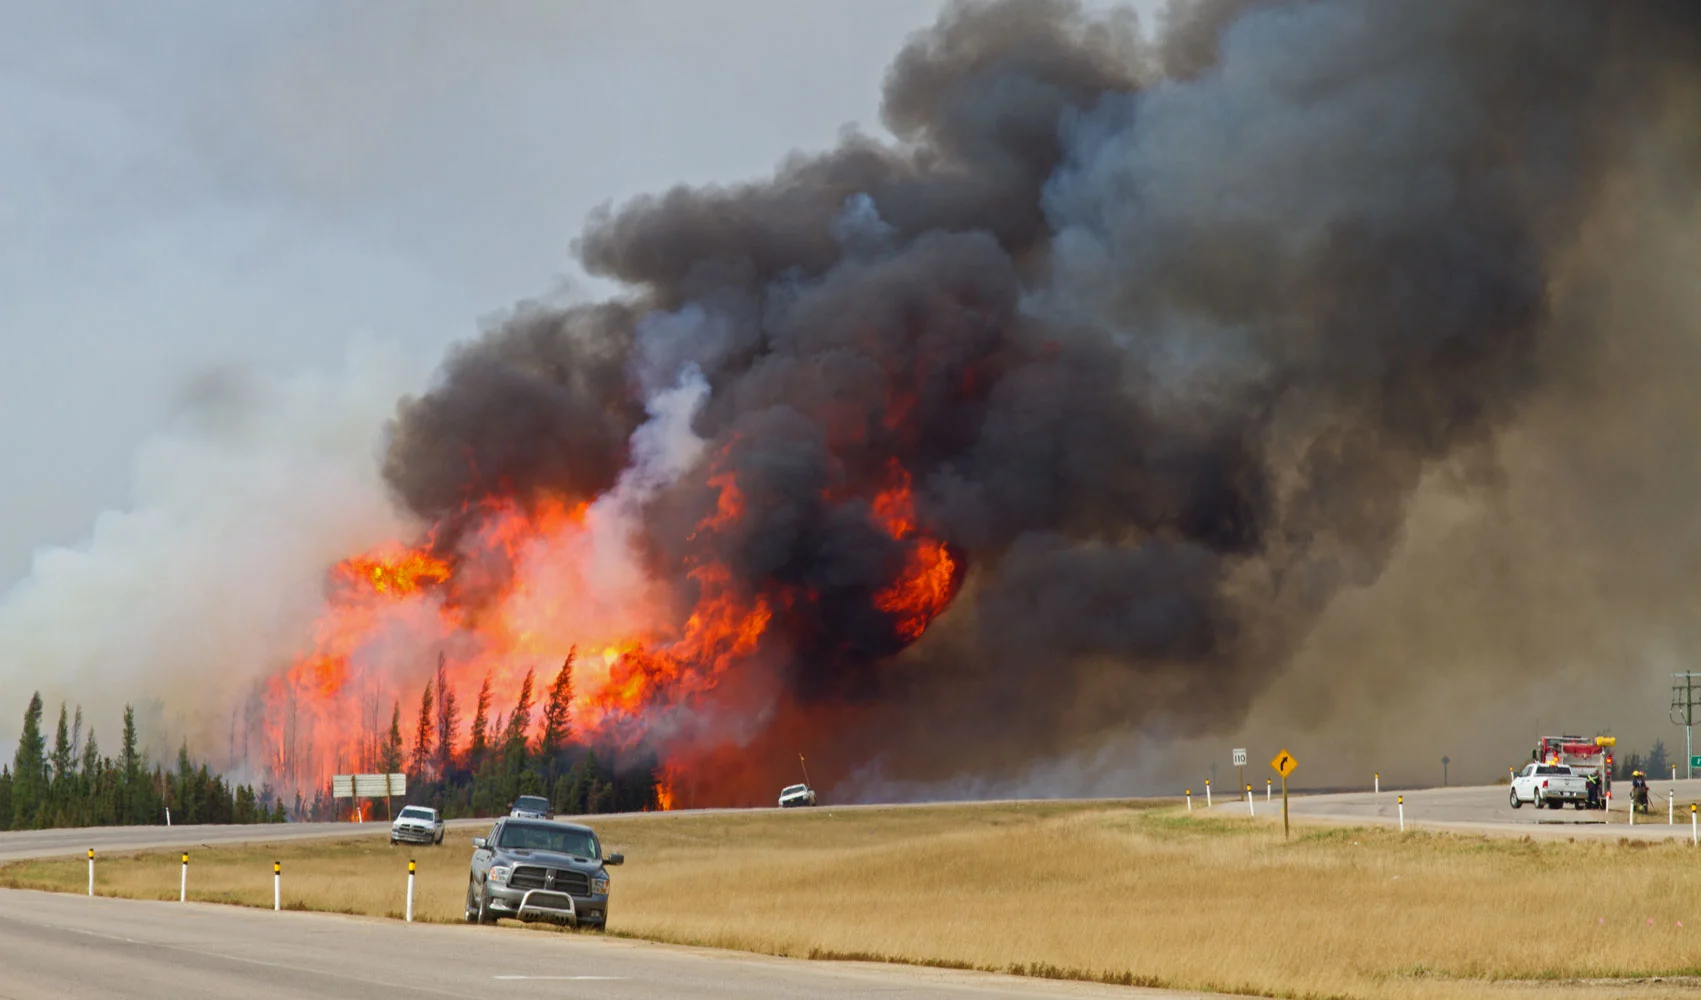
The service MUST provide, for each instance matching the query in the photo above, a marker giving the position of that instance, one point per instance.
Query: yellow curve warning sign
(1284, 763)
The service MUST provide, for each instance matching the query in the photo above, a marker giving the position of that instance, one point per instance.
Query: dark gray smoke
(1165, 336)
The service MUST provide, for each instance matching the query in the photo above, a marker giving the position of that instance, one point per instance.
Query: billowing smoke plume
(1347, 345)
(1163, 339)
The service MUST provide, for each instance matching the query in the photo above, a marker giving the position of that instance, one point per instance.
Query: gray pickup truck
(531, 870)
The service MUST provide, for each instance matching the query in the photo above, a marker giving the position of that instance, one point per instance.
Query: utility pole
(1684, 692)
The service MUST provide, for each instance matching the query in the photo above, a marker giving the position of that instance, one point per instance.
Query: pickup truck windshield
(412, 812)
(542, 837)
(531, 803)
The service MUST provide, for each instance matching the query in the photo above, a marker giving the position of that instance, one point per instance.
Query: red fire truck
(1590, 756)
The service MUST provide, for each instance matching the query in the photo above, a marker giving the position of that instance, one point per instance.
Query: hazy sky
(195, 188)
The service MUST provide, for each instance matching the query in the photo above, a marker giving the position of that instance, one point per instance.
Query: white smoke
(209, 578)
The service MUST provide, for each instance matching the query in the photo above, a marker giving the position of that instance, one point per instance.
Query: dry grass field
(1117, 892)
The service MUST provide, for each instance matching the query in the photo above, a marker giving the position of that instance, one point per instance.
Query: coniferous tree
(62, 753)
(520, 722)
(557, 714)
(29, 770)
(480, 744)
(422, 738)
(390, 757)
(448, 720)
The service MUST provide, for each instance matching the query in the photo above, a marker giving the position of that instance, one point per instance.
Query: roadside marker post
(1284, 765)
(1671, 806)
(1207, 793)
(1190, 800)
(1632, 810)
(410, 890)
(1378, 785)
(91, 871)
(1692, 840)
(1402, 814)
(1249, 810)
(183, 883)
(1266, 789)
(277, 886)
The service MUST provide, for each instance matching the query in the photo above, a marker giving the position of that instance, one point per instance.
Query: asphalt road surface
(1484, 809)
(17, 845)
(65, 947)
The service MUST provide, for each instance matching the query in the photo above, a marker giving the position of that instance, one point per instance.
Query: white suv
(796, 795)
(417, 825)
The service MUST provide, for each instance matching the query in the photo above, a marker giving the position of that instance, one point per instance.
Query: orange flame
(519, 585)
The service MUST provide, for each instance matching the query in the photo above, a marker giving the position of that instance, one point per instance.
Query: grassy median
(1124, 893)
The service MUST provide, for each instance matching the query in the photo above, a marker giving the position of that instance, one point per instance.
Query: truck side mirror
(478, 843)
(614, 859)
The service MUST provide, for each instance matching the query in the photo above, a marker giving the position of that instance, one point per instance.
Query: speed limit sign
(1240, 757)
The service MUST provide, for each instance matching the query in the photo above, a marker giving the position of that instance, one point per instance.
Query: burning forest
(1061, 411)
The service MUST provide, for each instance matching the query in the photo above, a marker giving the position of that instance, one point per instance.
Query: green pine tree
(29, 770)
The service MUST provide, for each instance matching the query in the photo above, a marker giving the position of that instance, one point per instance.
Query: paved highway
(1484, 809)
(20, 844)
(65, 947)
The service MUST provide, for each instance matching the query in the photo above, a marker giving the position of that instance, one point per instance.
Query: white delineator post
(1378, 785)
(1190, 800)
(277, 886)
(410, 890)
(167, 815)
(1671, 807)
(1249, 810)
(183, 883)
(91, 871)
(1692, 839)
(1207, 793)
(1266, 789)
(1402, 801)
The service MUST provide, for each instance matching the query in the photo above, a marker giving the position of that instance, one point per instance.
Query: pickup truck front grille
(537, 877)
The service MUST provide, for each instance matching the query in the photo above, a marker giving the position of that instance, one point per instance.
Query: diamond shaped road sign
(1284, 763)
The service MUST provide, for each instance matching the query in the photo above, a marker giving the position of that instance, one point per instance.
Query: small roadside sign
(1695, 761)
(1240, 757)
(1284, 765)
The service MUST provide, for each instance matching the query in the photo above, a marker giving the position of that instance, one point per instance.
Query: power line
(1685, 699)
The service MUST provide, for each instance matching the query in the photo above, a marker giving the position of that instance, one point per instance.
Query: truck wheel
(1517, 803)
(472, 904)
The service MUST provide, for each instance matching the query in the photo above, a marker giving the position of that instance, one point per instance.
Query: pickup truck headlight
(599, 884)
(499, 873)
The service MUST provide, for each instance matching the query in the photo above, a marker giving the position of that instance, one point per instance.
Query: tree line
(75, 785)
(501, 759)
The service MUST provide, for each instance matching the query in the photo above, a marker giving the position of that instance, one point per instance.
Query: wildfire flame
(521, 585)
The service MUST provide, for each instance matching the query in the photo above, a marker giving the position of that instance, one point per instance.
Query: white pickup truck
(1550, 785)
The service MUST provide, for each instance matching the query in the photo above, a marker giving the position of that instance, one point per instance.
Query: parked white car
(1550, 785)
(796, 795)
(417, 825)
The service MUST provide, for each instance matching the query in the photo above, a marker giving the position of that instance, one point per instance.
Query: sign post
(1284, 765)
(1240, 762)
